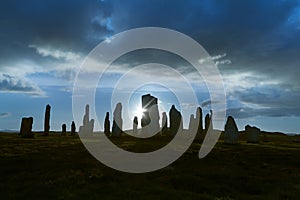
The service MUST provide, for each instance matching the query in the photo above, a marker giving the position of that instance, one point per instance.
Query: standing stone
(135, 125)
(47, 120)
(117, 121)
(199, 120)
(88, 125)
(175, 120)
(231, 131)
(86, 117)
(208, 122)
(26, 127)
(164, 123)
(63, 129)
(107, 124)
(150, 119)
(252, 134)
(193, 125)
(73, 128)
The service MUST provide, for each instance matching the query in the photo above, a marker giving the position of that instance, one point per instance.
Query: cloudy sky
(255, 44)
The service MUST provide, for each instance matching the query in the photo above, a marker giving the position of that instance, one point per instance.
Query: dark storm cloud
(229, 25)
(249, 32)
(267, 102)
(259, 37)
(246, 112)
(226, 24)
(67, 25)
(14, 84)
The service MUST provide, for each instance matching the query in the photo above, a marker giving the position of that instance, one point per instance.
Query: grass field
(57, 167)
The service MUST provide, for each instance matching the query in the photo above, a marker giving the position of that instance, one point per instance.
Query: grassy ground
(58, 167)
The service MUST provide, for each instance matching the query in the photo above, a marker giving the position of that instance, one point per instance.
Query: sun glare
(139, 111)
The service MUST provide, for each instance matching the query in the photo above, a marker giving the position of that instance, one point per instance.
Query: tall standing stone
(164, 123)
(63, 129)
(207, 122)
(175, 120)
(193, 125)
(135, 125)
(107, 124)
(117, 121)
(150, 119)
(230, 131)
(86, 117)
(88, 125)
(47, 120)
(26, 127)
(211, 122)
(73, 128)
(199, 119)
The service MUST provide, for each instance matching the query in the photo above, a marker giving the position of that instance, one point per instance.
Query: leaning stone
(26, 127)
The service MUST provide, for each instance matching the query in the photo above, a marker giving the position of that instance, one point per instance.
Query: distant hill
(269, 133)
(272, 133)
(8, 131)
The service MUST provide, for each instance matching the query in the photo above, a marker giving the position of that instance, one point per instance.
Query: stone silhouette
(63, 129)
(117, 121)
(252, 134)
(193, 125)
(135, 125)
(150, 119)
(88, 125)
(208, 122)
(26, 127)
(73, 128)
(175, 120)
(231, 131)
(47, 120)
(199, 119)
(107, 124)
(164, 123)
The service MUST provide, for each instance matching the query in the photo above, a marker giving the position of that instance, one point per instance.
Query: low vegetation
(57, 167)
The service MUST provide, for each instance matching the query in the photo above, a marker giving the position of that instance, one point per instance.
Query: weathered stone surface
(107, 124)
(150, 119)
(88, 125)
(252, 134)
(47, 120)
(26, 127)
(117, 121)
(231, 131)
(63, 129)
(175, 120)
